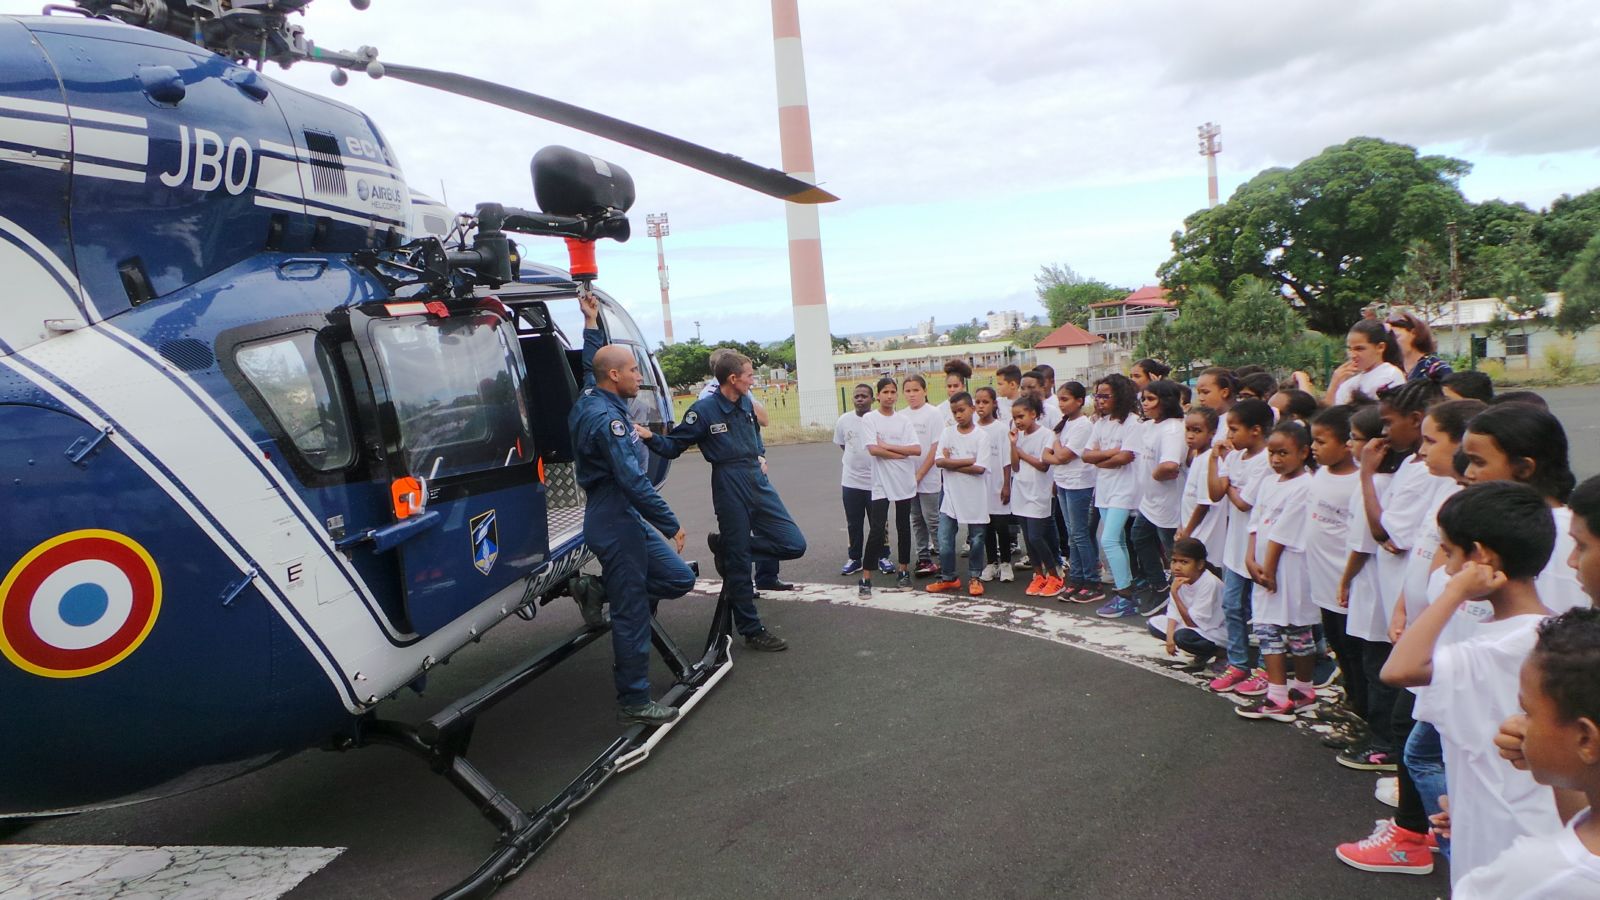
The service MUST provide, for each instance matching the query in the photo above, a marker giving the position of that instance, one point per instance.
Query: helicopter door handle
(391, 536)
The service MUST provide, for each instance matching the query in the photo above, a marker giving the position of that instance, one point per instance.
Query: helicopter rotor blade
(771, 182)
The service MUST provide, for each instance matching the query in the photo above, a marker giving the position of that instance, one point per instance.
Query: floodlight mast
(658, 227)
(1209, 148)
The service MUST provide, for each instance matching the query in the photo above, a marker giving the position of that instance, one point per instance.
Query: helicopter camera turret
(569, 183)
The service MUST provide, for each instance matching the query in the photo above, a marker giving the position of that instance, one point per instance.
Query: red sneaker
(1389, 848)
(974, 587)
(1231, 677)
(1302, 702)
(1052, 587)
(940, 587)
(1036, 585)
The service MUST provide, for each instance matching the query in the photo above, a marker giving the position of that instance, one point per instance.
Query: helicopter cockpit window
(456, 388)
(292, 373)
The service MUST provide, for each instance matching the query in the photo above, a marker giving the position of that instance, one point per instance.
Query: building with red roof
(1075, 354)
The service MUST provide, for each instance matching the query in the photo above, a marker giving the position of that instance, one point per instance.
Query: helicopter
(278, 435)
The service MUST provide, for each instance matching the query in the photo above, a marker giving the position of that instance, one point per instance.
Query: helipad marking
(101, 872)
(1112, 638)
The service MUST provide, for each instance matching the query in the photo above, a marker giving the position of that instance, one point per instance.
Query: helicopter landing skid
(442, 742)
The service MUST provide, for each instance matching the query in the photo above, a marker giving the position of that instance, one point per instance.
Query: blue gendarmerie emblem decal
(617, 428)
(691, 417)
(485, 541)
(719, 427)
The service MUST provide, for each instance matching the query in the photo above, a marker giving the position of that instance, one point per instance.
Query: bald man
(625, 522)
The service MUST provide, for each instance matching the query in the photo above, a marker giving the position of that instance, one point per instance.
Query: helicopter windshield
(456, 388)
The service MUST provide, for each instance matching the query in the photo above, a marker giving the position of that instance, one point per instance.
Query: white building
(1075, 354)
(873, 363)
(1454, 324)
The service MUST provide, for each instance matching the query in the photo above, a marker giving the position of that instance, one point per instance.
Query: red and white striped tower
(1209, 148)
(659, 227)
(813, 347)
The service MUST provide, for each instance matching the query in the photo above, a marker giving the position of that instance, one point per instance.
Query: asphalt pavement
(885, 754)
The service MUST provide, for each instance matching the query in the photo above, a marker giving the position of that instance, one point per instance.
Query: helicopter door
(454, 416)
(652, 408)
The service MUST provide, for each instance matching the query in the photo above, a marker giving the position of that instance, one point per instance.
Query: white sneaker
(1387, 791)
(1006, 573)
(989, 572)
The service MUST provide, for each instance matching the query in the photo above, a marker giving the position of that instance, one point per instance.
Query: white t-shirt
(857, 471)
(1424, 547)
(1077, 474)
(1241, 473)
(1558, 583)
(966, 496)
(1365, 619)
(1052, 413)
(994, 476)
(892, 479)
(1161, 442)
(1002, 409)
(1213, 529)
(1115, 488)
(1380, 376)
(1204, 601)
(1405, 504)
(1537, 868)
(1278, 516)
(927, 421)
(1328, 502)
(1473, 690)
(1031, 488)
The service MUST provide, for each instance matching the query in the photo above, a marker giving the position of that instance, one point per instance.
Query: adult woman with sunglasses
(1417, 347)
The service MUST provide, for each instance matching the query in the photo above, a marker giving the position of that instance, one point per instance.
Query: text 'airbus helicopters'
(278, 435)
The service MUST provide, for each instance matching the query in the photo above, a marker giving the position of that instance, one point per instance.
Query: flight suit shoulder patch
(617, 428)
(691, 417)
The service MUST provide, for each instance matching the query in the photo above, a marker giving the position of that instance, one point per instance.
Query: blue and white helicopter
(277, 434)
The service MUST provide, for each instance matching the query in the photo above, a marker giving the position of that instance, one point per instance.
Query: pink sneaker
(1230, 678)
(1302, 702)
(1389, 849)
(1254, 686)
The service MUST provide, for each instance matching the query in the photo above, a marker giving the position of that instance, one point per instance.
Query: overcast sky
(970, 143)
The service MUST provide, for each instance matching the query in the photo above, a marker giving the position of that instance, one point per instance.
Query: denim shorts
(1277, 640)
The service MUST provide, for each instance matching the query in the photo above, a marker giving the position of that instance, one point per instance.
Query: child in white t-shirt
(1235, 464)
(1283, 611)
(1560, 745)
(1031, 487)
(1333, 486)
(855, 478)
(927, 420)
(1198, 517)
(1193, 619)
(1495, 538)
(1074, 481)
(964, 455)
(1159, 464)
(892, 440)
(997, 475)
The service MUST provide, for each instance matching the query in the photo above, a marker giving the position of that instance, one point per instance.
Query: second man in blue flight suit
(625, 521)
(751, 519)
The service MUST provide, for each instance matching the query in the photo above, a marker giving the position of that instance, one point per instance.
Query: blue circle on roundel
(84, 604)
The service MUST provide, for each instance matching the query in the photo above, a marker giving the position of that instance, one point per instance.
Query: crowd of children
(1405, 528)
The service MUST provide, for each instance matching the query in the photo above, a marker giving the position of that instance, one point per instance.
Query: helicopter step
(442, 740)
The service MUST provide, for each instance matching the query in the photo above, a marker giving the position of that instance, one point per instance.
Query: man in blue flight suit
(751, 519)
(624, 519)
(766, 572)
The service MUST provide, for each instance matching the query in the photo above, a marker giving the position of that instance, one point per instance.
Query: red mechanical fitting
(580, 255)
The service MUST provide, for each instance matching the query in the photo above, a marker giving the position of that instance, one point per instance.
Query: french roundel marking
(78, 604)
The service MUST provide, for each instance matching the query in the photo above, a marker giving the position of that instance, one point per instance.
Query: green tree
(1523, 299)
(1332, 231)
(1066, 295)
(1253, 324)
(1580, 290)
(684, 364)
(965, 334)
(1424, 283)
(1032, 334)
(1565, 230)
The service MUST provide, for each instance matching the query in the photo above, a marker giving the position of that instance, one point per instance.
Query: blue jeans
(1083, 560)
(1114, 542)
(1236, 611)
(947, 548)
(1424, 759)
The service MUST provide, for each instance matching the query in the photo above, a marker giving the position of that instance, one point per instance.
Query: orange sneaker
(974, 587)
(1036, 585)
(940, 587)
(1052, 587)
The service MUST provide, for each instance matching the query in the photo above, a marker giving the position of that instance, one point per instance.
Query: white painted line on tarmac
(102, 872)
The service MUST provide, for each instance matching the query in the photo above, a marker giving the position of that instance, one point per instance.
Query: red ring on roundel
(19, 591)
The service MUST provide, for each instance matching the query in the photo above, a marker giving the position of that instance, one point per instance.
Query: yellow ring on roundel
(28, 558)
